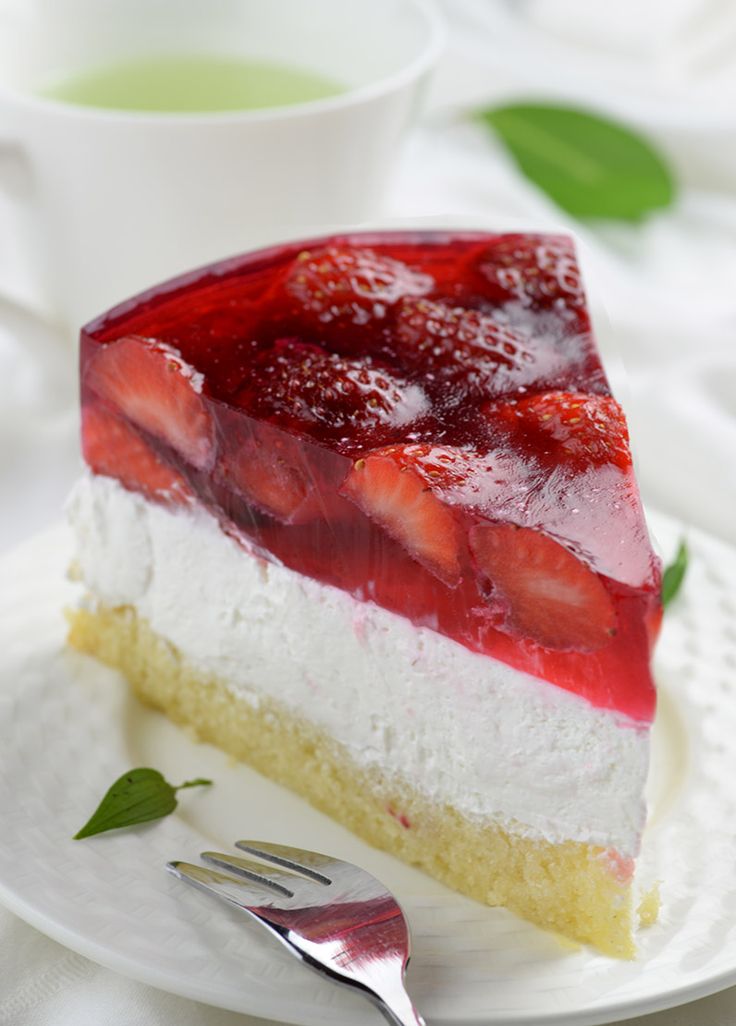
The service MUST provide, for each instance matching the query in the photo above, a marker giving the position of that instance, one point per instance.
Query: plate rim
(136, 970)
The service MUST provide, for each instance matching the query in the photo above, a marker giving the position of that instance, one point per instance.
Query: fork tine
(228, 888)
(298, 860)
(249, 869)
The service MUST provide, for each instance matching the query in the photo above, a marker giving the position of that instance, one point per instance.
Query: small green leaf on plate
(138, 796)
(674, 574)
(589, 165)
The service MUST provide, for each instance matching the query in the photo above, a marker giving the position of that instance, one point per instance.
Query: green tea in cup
(191, 84)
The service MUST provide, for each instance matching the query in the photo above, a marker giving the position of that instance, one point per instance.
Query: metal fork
(334, 916)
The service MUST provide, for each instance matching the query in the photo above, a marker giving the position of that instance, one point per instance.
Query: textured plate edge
(137, 970)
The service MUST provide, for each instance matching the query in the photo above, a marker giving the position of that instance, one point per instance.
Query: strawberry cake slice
(362, 512)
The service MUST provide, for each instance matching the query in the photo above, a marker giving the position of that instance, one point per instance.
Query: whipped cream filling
(458, 727)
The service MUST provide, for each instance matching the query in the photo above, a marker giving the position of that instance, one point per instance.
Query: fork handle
(399, 1010)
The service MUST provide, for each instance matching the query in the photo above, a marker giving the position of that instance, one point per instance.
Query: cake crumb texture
(648, 908)
(568, 888)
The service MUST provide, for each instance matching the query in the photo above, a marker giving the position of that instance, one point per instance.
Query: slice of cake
(362, 512)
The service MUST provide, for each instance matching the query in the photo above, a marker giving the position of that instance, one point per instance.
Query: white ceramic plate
(68, 727)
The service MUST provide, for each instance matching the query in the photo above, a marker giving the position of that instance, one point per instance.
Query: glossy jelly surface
(421, 419)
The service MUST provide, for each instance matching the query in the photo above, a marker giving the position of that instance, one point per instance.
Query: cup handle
(17, 184)
(40, 350)
(16, 178)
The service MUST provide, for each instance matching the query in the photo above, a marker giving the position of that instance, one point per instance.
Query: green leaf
(138, 796)
(674, 574)
(589, 165)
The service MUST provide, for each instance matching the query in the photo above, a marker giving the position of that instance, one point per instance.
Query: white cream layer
(460, 728)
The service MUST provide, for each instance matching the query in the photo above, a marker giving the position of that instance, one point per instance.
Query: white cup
(118, 200)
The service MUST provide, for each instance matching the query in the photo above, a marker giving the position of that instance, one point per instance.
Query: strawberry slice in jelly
(390, 490)
(277, 474)
(543, 591)
(149, 382)
(112, 447)
(271, 475)
(420, 419)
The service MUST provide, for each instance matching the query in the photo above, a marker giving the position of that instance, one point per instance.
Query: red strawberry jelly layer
(421, 419)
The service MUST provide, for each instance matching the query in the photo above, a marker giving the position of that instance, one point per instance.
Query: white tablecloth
(669, 287)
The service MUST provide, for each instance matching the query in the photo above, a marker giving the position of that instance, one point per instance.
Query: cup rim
(350, 97)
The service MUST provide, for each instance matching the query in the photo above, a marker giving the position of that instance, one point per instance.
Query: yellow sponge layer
(571, 888)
